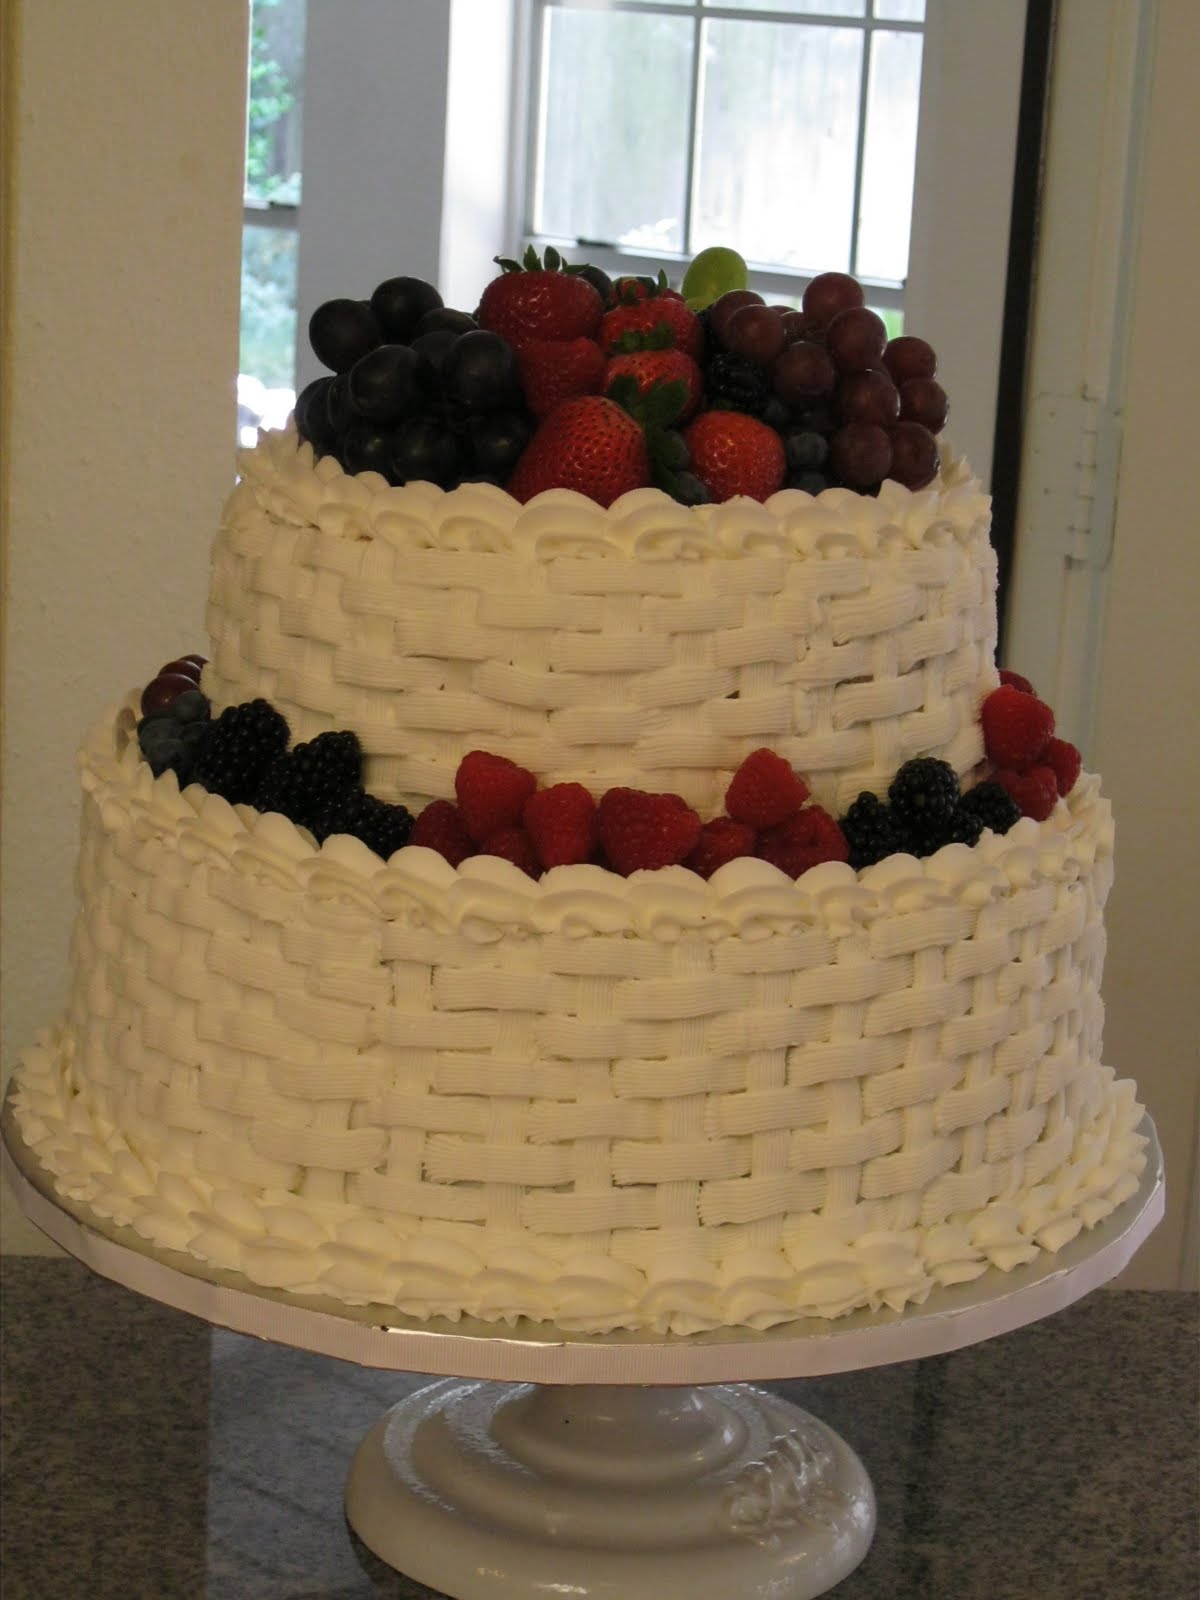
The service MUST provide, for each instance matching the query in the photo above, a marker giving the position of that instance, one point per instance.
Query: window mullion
(860, 148)
(689, 188)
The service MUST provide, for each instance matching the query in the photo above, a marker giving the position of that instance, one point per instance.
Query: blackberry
(965, 827)
(309, 783)
(731, 383)
(237, 749)
(381, 827)
(994, 806)
(923, 796)
(871, 830)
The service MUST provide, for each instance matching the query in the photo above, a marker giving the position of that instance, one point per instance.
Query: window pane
(798, 8)
(267, 360)
(885, 218)
(612, 146)
(776, 142)
(273, 121)
(900, 10)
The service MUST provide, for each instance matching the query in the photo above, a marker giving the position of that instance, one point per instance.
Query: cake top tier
(650, 644)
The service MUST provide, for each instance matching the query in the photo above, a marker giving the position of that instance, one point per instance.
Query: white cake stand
(619, 1468)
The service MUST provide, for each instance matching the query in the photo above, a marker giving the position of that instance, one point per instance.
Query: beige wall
(123, 220)
(1147, 743)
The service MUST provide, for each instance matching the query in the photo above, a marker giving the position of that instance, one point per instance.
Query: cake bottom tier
(651, 1103)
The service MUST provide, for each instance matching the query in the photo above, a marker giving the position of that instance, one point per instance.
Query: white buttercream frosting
(651, 644)
(652, 1103)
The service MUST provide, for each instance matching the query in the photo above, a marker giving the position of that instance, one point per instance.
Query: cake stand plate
(596, 1466)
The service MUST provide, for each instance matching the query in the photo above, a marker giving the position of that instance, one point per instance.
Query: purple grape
(830, 293)
(367, 448)
(400, 303)
(909, 357)
(479, 371)
(342, 331)
(385, 384)
(856, 339)
(802, 372)
(924, 400)
(867, 397)
(600, 281)
(425, 449)
(723, 309)
(497, 440)
(860, 455)
(755, 333)
(312, 415)
(915, 458)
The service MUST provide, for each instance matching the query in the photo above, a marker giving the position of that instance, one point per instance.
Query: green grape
(713, 273)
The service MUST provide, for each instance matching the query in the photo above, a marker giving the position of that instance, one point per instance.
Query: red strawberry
(491, 791)
(736, 454)
(552, 371)
(515, 845)
(640, 830)
(1035, 790)
(439, 827)
(1016, 727)
(658, 309)
(720, 841)
(1064, 761)
(1014, 680)
(764, 790)
(648, 367)
(529, 301)
(803, 841)
(561, 821)
(588, 444)
(626, 290)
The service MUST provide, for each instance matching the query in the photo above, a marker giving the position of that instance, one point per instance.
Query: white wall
(124, 190)
(1146, 741)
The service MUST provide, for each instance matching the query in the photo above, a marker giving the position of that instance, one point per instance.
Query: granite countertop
(148, 1458)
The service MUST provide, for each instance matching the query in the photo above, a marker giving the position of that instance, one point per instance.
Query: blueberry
(806, 450)
(191, 706)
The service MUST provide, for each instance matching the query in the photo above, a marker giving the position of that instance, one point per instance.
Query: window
(270, 233)
(787, 128)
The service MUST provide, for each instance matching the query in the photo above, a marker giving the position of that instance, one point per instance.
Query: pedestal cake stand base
(491, 1490)
(594, 1467)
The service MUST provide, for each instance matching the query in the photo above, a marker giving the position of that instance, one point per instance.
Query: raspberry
(561, 821)
(309, 783)
(236, 750)
(1014, 680)
(439, 827)
(1034, 790)
(993, 805)
(1065, 761)
(720, 842)
(871, 831)
(640, 831)
(923, 795)
(491, 792)
(803, 841)
(764, 791)
(515, 845)
(381, 827)
(1016, 727)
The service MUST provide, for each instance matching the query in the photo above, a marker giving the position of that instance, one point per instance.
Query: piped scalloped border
(284, 476)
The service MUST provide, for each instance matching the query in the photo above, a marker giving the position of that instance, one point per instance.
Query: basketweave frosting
(651, 645)
(652, 1102)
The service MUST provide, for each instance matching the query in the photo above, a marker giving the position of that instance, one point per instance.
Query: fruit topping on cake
(420, 391)
(491, 792)
(561, 821)
(589, 444)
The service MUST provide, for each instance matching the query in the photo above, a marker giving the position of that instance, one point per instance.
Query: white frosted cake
(655, 1101)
